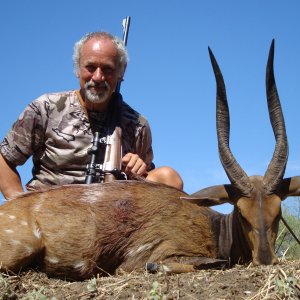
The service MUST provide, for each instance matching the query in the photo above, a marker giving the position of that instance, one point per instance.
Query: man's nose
(98, 75)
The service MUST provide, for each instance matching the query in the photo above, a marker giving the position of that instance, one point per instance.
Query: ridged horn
(235, 173)
(276, 168)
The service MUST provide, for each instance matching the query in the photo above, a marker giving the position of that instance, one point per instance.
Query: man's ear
(122, 72)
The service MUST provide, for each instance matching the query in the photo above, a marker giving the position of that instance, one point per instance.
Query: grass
(242, 282)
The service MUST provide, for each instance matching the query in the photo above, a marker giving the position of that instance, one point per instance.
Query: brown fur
(77, 231)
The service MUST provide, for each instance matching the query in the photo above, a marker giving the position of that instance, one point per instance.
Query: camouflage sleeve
(144, 146)
(26, 134)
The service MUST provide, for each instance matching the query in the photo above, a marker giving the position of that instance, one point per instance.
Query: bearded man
(56, 129)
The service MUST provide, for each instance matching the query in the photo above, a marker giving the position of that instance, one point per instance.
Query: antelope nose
(265, 260)
(256, 262)
(275, 261)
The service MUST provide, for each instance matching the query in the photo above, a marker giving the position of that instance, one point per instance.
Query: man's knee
(167, 176)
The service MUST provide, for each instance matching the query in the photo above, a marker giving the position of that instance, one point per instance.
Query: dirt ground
(242, 282)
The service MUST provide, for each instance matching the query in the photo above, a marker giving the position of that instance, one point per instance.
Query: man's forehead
(98, 43)
(99, 47)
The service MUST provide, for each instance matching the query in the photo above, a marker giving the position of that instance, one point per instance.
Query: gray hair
(123, 54)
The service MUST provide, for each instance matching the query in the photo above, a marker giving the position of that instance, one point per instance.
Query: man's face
(99, 70)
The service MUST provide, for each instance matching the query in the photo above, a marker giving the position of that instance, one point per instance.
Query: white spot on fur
(15, 242)
(29, 249)
(52, 260)
(80, 265)
(37, 207)
(165, 268)
(37, 232)
(24, 223)
(141, 248)
(10, 231)
(12, 217)
(1, 214)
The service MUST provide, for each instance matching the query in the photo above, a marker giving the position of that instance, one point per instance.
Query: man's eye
(90, 68)
(108, 70)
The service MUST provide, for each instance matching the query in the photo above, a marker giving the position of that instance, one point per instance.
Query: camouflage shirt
(56, 132)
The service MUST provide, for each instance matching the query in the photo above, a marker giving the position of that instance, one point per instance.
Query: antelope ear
(202, 201)
(289, 187)
(214, 195)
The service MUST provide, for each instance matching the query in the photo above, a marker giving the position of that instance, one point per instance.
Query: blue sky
(169, 78)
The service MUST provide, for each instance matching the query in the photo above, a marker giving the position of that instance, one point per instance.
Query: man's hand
(133, 164)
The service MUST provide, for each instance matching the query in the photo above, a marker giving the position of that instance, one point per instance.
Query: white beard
(96, 97)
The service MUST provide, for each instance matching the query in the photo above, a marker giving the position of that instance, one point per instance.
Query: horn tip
(272, 45)
(211, 55)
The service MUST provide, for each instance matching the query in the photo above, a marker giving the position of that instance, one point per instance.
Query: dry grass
(242, 282)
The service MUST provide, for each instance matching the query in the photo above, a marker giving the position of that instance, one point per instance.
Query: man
(57, 129)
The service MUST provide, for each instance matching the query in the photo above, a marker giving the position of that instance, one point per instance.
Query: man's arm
(10, 181)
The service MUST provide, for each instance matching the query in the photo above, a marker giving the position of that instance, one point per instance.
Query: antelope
(78, 231)
(251, 229)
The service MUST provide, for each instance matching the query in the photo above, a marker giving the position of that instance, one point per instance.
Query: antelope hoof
(152, 267)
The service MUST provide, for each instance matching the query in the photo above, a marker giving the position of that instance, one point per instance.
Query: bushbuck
(251, 229)
(78, 231)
